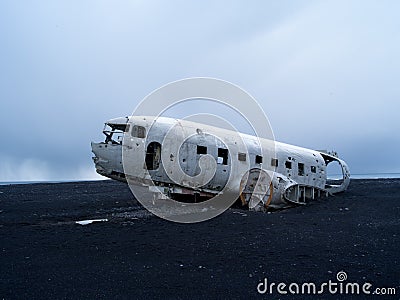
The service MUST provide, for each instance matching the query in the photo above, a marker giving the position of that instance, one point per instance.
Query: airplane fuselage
(272, 174)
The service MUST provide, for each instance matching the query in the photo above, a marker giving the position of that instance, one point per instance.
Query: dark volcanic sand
(44, 254)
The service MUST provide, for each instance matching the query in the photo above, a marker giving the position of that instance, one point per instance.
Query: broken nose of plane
(96, 158)
(108, 160)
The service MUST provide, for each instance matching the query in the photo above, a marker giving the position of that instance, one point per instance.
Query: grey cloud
(325, 72)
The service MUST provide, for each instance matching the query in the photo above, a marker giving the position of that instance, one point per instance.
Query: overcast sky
(327, 73)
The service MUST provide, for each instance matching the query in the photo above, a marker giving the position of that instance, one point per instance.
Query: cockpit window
(114, 133)
(138, 131)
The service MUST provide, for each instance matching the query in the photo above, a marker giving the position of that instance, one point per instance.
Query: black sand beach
(45, 254)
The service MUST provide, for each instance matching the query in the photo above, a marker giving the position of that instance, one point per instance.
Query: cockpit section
(108, 154)
(114, 132)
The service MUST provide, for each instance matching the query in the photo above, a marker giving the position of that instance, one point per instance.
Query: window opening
(242, 156)
(138, 131)
(301, 169)
(274, 162)
(201, 149)
(153, 156)
(222, 156)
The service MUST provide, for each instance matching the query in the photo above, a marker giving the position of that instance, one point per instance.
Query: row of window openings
(140, 132)
(300, 168)
(223, 159)
(223, 156)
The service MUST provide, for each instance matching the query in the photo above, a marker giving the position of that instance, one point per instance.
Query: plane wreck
(275, 178)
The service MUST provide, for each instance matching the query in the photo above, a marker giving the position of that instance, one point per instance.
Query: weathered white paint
(181, 170)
